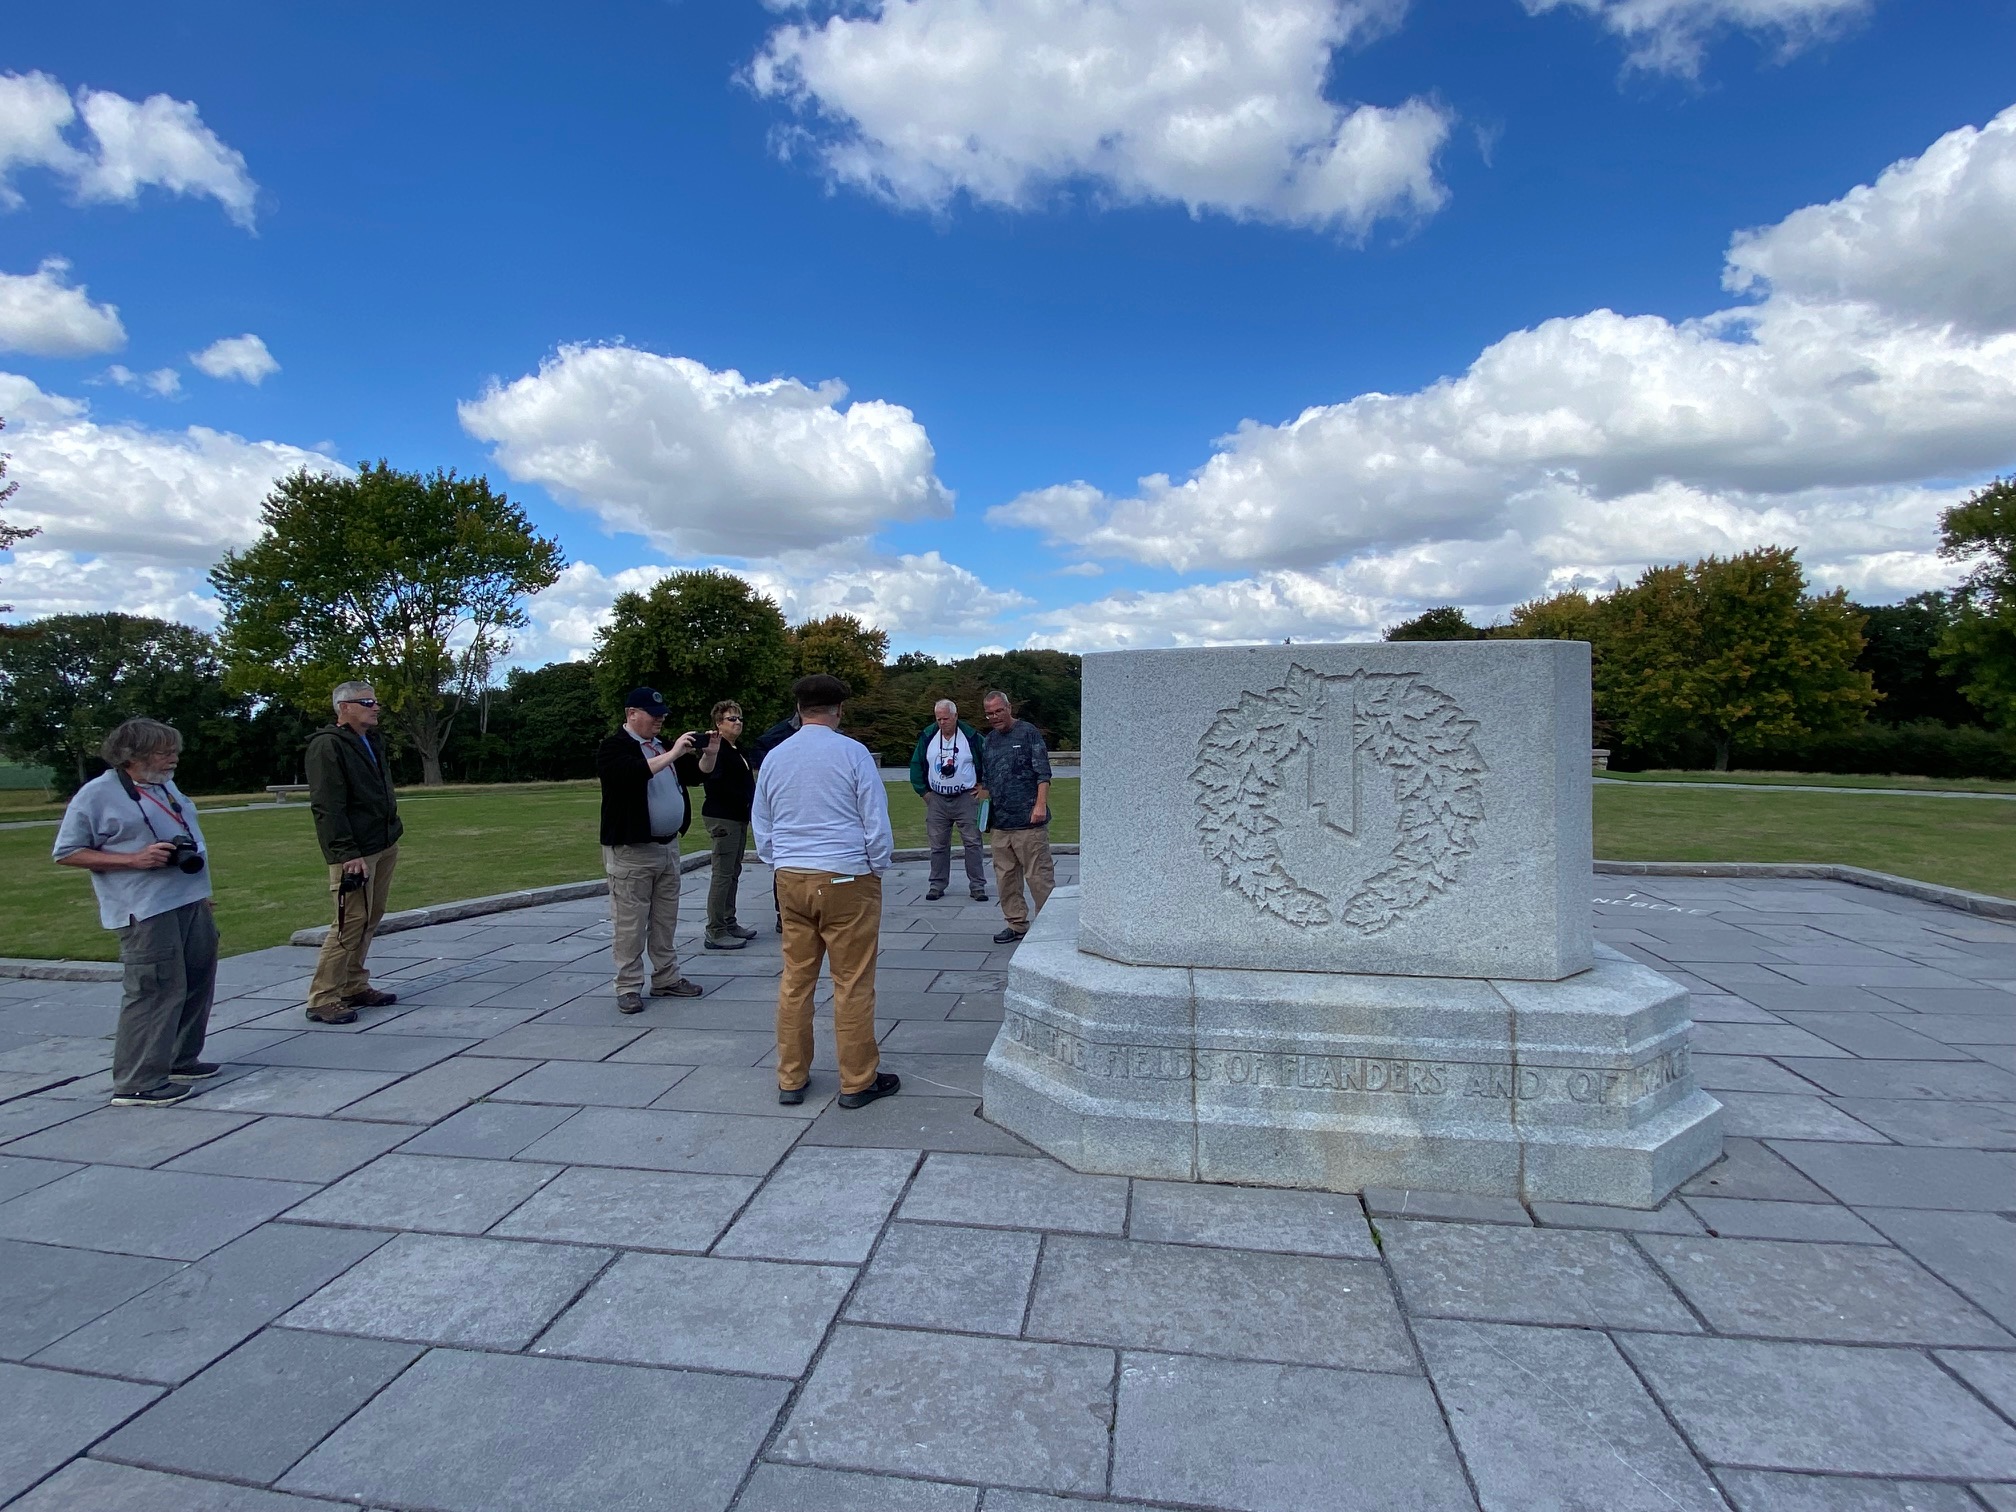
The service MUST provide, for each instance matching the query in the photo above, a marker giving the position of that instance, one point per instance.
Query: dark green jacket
(356, 811)
(920, 758)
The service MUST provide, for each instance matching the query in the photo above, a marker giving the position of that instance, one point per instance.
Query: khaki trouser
(171, 974)
(941, 812)
(643, 910)
(729, 836)
(339, 971)
(1020, 854)
(840, 920)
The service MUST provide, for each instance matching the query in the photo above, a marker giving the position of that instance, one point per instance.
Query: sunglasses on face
(363, 703)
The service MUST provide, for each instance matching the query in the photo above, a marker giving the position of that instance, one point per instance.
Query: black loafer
(791, 1097)
(885, 1084)
(1009, 936)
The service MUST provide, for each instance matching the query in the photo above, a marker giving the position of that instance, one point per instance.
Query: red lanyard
(172, 813)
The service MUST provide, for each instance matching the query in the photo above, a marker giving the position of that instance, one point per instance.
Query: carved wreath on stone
(1416, 732)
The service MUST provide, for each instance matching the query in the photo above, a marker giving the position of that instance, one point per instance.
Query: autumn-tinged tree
(1729, 648)
(1563, 616)
(9, 534)
(1444, 624)
(411, 582)
(1980, 645)
(841, 646)
(697, 637)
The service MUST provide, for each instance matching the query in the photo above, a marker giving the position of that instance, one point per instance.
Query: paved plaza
(502, 1249)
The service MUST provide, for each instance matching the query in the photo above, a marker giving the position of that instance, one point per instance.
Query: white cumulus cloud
(44, 314)
(706, 462)
(1216, 105)
(164, 382)
(132, 145)
(1875, 375)
(242, 357)
(1671, 36)
(167, 497)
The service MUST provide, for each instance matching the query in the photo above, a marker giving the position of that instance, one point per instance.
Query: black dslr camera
(183, 853)
(352, 882)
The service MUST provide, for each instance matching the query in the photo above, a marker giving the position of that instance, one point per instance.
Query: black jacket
(626, 775)
(356, 811)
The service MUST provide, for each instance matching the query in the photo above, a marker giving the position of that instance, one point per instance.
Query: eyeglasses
(363, 703)
(731, 719)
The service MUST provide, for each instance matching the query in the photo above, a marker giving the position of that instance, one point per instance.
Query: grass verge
(1824, 779)
(270, 880)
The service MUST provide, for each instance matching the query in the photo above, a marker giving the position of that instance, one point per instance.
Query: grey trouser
(729, 837)
(171, 974)
(643, 911)
(940, 814)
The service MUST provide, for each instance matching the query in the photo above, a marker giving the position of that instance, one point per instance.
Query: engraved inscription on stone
(1393, 1076)
(1294, 787)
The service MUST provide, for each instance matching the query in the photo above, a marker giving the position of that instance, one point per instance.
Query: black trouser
(171, 976)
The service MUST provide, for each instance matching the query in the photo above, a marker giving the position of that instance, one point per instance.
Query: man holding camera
(944, 771)
(357, 823)
(644, 812)
(138, 837)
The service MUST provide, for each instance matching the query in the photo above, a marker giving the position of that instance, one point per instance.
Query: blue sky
(544, 246)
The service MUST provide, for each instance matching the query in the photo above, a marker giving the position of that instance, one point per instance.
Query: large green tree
(66, 680)
(841, 646)
(1446, 623)
(411, 582)
(1980, 645)
(697, 637)
(1729, 648)
(1900, 652)
(9, 534)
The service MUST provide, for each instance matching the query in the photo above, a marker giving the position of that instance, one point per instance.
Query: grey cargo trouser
(171, 975)
(941, 813)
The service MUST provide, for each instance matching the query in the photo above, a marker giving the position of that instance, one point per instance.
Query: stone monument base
(1573, 1091)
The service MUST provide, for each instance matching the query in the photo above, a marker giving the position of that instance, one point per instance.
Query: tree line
(418, 583)
(1734, 659)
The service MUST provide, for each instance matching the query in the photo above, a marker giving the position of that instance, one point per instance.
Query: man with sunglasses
(730, 784)
(357, 822)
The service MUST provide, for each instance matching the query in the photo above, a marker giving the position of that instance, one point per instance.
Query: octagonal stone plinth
(1579, 1090)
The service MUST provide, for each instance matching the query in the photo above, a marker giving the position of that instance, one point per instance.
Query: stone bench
(282, 791)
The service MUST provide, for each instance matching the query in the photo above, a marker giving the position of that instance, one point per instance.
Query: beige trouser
(339, 971)
(1021, 854)
(842, 922)
(643, 911)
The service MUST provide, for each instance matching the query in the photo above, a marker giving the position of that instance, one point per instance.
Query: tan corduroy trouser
(339, 970)
(1023, 855)
(838, 920)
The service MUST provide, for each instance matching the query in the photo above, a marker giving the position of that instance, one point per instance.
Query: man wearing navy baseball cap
(644, 812)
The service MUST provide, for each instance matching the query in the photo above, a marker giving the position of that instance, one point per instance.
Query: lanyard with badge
(186, 854)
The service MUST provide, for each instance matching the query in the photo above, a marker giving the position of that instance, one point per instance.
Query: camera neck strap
(141, 799)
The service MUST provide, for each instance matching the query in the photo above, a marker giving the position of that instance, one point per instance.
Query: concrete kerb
(1983, 904)
(535, 897)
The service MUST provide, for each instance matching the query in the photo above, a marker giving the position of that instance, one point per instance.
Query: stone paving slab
(51, 1416)
(1837, 1341)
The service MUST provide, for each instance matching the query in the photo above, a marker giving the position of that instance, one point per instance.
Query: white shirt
(821, 806)
(962, 779)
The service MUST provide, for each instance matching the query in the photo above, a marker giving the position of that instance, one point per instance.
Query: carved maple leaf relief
(1414, 732)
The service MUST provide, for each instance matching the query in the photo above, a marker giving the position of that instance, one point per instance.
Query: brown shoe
(681, 988)
(371, 997)
(629, 1002)
(341, 1016)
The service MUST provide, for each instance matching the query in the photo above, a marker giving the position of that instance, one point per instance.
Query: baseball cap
(648, 700)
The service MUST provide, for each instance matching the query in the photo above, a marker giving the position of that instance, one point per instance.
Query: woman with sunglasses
(730, 784)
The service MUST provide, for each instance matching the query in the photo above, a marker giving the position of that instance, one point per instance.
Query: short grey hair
(945, 703)
(994, 693)
(137, 739)
(348, 693)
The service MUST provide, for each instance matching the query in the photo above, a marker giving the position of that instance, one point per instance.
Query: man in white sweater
(821, 818)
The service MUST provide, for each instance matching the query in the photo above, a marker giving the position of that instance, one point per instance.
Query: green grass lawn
(462, 843)
(270, 879)
(1825, 779)
(1959, 844)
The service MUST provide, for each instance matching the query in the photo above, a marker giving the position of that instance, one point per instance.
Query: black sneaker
(195, 1071)
(153, 1097)
(885, 1084)
(733, 942)
(791, 1097)
(980, 897)
(1009, 936)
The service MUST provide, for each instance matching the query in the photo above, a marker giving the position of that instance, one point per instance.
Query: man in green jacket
(945, 771)
(357, 822)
